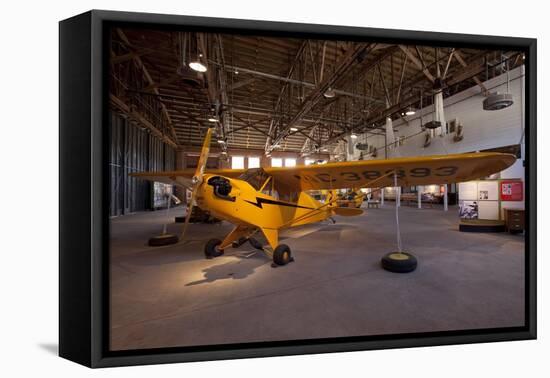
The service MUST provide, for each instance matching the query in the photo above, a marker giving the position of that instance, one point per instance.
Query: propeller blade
(204, 155)
(189, 211)
(197, 178)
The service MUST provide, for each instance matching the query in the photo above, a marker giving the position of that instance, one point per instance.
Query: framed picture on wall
(218, 199)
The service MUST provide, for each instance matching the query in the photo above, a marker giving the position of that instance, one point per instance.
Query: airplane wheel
(282, 255)
(211, 248)
(164, 239)
(255, 243)
(399, 262)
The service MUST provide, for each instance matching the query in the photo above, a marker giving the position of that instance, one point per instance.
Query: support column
(445, 198)
(398, 196)
(382, 197)
(419, 200)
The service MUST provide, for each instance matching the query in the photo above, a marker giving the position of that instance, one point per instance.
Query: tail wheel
(282, 255)
(211, 249)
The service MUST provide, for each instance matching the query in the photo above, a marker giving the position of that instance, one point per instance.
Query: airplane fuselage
(240, 203)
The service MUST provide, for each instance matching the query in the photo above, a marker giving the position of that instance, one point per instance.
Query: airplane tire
(165, 239)
(255, 243)
(211, 249)
(282, 255)
(399, 262)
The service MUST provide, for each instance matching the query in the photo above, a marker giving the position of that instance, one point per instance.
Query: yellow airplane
(268, 200)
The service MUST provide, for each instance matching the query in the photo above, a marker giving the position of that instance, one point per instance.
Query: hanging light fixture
(329, 93)
(212, 118)
(410, 111)
(197, 64)
(293, 129)
(353, 136)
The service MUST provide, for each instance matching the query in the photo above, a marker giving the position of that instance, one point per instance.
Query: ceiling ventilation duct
(390, 136)
(427, 140)
(498, 101)
(432, 125)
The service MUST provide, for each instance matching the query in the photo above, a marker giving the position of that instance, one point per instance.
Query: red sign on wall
(511, 190)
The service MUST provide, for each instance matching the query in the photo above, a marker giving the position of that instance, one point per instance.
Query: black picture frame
(83, 228)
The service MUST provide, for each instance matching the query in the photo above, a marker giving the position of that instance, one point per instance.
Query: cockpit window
(255, 177)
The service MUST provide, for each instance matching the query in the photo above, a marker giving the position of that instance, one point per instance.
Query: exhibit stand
(482, 203)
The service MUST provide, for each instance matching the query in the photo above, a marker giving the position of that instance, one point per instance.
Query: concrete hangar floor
(173, 296)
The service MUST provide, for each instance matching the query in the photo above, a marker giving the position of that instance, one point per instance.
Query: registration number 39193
(401, 173)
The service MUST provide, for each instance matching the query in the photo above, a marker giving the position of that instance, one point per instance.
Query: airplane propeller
(197, 178)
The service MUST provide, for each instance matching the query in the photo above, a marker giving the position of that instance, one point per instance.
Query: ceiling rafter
(418, 63)
(139, 62)
(345, 63)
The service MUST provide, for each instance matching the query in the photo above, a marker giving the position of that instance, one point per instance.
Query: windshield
(255, 177)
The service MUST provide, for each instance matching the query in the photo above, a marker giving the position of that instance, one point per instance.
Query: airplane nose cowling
(222, 187)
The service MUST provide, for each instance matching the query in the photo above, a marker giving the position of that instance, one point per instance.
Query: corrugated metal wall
(134, 150)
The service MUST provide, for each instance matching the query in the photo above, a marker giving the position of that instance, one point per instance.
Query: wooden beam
(342, 67)
(138, 117)
(241, 83)
(417, 63)
(460, 60)
(140, 64)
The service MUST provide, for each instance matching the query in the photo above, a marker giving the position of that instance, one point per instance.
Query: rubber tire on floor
(399, 262)
(165, 239)
(282, 255)
(179, 219)
(255, 243)
(210, 249)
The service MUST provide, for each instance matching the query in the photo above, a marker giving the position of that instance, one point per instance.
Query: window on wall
(276, 162)
(254, 162)
(290, 162)
(237, 162)
(309, 161)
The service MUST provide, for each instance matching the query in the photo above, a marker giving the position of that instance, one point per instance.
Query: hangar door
(133, 149)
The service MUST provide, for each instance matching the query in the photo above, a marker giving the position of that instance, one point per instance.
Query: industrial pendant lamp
(329, 93)
(197, 64)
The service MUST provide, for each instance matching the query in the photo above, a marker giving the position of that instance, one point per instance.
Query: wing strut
(310, 213)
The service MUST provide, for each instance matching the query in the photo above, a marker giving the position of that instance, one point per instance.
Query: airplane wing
(183, 177)
(424, 170)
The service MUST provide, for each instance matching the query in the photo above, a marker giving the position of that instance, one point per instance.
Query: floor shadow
(336, 227)
(237, 270)
(170, 254)
(51, 348)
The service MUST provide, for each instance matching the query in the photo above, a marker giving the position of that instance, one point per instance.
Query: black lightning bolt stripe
(260, 201)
